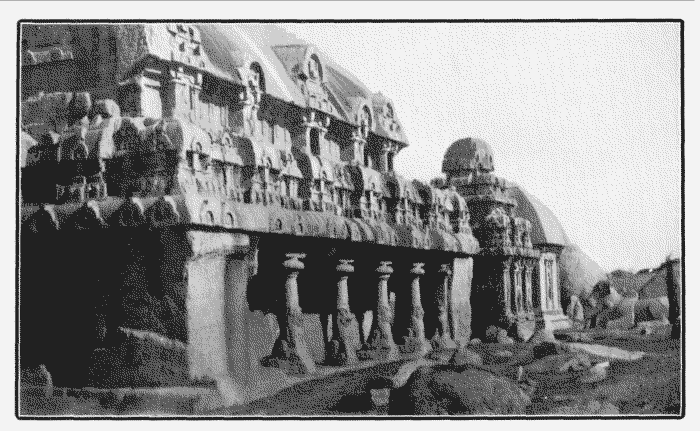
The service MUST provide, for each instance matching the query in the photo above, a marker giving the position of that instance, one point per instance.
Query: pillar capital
(385, 269)
(293, 262)
(345, 267)
(445, 269)
(418, 269)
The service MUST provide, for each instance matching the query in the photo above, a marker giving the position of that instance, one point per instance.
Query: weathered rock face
(457, 390)
(141, 359)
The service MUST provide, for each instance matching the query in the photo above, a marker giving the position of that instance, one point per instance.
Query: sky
(584, 116)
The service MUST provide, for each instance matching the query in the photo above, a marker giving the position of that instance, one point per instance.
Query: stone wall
(174, 307)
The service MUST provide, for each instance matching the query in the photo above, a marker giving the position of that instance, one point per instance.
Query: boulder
(491, 335)
(652, 309)
(653, 327)
(595, 374)
(561, 364)
(457, 390)
(503, 338)
(494, 334)
(606, 352)
(466, 357)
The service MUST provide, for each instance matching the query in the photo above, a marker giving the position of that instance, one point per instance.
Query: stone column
(290, 352)
(506, 314)
(416, 343)
(528, 287)
(517, 305)
(381, 341)
(342, 349)
(444, 339)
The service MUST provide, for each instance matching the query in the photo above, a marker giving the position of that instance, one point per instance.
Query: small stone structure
(235, 198)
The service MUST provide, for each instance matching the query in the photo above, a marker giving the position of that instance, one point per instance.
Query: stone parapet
(205, 213)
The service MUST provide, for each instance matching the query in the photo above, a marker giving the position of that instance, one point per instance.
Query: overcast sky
(585, 116)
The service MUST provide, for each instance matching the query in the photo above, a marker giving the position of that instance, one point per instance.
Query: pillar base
(341, 351)
(416, 347)
(289, 358)
(381, 349)
(442, 343)
(338, 354)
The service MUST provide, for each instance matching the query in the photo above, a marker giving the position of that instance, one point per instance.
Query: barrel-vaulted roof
(280, 54)
(230, 47)
(546, 228)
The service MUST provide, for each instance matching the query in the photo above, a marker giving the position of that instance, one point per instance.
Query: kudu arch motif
(271, 162)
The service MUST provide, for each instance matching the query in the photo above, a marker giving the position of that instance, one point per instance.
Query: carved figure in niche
(389, 119)
(497, 225)
(256, 82)
(365, 122)
(314, 68)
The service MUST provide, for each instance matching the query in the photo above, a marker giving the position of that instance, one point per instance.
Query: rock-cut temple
(216, 206)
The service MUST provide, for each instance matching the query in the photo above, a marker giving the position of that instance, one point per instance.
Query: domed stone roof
(467, 155)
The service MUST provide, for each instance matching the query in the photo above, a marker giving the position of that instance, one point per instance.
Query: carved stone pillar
(518, 305)
(290, 352)
(416, 343)
(444, 340)
(342, 350)
(381, 341)
(506, 314)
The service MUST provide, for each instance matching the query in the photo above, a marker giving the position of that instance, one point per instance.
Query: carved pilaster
(290, 352)
(341, 351)
(506, 315)
(381, 341)
(528, 287)
(443, 340)
(517, 285)
(416, 343)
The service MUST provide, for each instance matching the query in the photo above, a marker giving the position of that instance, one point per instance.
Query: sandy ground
(647, 386)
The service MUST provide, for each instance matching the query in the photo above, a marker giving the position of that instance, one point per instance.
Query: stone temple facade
(216, 206)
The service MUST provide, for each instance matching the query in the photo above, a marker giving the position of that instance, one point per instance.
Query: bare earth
(647, 386)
